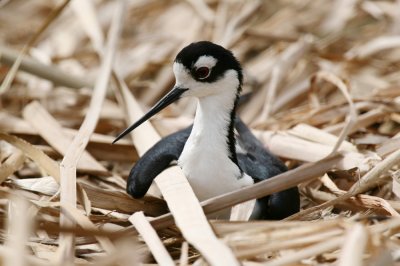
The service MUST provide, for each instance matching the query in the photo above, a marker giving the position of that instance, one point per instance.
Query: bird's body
(205, 158)
(207, 151)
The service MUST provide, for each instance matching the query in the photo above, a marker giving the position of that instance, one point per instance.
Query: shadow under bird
(214, 159)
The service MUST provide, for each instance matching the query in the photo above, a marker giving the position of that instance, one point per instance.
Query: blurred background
(355, 40)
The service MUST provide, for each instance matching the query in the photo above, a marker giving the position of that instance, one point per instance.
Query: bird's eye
(202, 72)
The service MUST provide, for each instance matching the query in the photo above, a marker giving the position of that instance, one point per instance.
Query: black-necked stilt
(207, 151)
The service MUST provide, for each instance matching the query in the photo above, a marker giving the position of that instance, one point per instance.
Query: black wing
(260, 164)
(154, 161)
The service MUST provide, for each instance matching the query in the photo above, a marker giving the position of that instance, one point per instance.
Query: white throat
(210, 126)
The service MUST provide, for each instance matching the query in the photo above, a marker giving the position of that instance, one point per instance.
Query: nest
(321, 88)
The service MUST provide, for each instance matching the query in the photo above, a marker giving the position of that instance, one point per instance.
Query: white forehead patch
(206, 60)
(179, 68)
(181, 73)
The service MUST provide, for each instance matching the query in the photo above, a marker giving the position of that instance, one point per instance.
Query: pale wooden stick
(293, 95)
(151, 136)
(221, 18)
(366, 182)
(364, 120)
(203, 10)
(11, 165)
(286, 61)
(13, 71)
(122, 202)
(388, 147)
(374, 46)
(292, 147)
(145, 136)
(86, 13)
(85, 223)
(190, 218)
(15, 125)
(354, 246)
(7, 252)
(351, 119)
(269, 245)
(50, 130)
(384, 226)
(367, 201)
(320, 136)
(184, 259)
(19, 225)
(52, 73)
(341, 12)
(310, 251)
(70, 161)
(237, 24)
(242, 211)
(369, 179)
(39, 157)
(151, 238)
(277, 230)
(270, 35)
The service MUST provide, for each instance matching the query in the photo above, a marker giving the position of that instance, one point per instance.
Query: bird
(218, 153)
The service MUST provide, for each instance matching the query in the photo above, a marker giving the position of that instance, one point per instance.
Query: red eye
(202, 72)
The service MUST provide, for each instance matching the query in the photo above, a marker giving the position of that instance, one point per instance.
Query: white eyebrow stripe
(206, 60)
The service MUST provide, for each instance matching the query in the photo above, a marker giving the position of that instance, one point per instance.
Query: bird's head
(201, 69)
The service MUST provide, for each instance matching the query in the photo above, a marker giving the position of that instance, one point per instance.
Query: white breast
(210, 173)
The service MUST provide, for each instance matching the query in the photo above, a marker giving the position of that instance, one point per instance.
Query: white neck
(211, 123)
(205, 159)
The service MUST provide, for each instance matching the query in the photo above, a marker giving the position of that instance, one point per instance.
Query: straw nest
(323, 86)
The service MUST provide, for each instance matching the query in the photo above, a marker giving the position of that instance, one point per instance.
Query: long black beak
(171, 97)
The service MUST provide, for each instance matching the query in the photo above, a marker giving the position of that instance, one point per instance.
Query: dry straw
(324, 96)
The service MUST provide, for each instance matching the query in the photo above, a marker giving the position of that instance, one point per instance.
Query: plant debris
(321, 91)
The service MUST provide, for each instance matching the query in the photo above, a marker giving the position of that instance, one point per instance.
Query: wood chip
(152, 240)
(68, 165)
(52, 132)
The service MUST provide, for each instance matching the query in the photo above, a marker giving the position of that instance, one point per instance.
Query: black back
(261, 164)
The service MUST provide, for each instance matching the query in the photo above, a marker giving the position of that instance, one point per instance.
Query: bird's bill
(171, 97)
